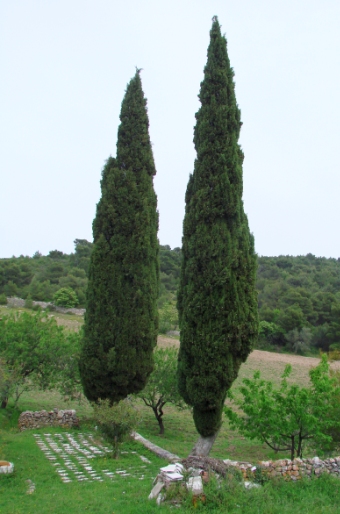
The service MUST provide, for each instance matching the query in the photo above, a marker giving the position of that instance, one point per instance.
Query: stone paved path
(71, 454)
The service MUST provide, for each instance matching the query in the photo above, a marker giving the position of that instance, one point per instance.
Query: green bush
(35, 352)
(168, 317)
(288, 417)
(115, 422)
(162, 384)
(65, 297)
(29, 302)
(3, 299)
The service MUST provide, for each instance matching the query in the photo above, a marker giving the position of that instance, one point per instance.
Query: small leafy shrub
(35, 352)
(334, 354)
(260, 477)
(29, 302)
(298, 341)
(162, 384)
(288, 417)
(168, 317)
(176, 493)
(220, 494)
(271, 336)
(115, 422)
(65, 297)
(333, 412)
(234, 475)
(3, 299)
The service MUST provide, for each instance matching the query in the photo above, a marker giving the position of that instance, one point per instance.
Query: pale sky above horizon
(65, 66)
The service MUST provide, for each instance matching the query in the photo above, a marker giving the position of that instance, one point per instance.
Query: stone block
(156, 490)
(195, 485)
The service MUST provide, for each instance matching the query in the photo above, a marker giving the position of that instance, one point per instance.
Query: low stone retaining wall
(55, 418)
(287, 469)
(13, 301)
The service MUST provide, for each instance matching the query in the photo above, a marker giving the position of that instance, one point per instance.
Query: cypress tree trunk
(121, 321)
(217, 299)
(203, 446)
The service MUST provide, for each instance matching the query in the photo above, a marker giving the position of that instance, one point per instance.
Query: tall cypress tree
(217, 300)
(121, 320)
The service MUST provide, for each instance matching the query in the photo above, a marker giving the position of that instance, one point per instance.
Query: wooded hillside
(298, 297)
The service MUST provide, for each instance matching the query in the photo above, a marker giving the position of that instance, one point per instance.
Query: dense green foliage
(116, 422)
(298, 297)
(35, 351)
(295, 294)
(41, 276)
(217, 300)
(121, 320)
(168, 317)
(170, 265)
(288, 417)
(65, 297)
(162, 385)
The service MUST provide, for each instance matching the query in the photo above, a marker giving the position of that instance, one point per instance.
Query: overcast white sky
(65, 65)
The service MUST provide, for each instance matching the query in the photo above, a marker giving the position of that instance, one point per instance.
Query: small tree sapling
(162, 385)
(286, 417)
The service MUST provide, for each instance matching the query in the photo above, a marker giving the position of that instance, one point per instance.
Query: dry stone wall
(43, 418)
(13, 301)
(287, 469)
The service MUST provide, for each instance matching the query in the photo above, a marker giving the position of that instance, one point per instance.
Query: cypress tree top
(217, 300)
(121, 318)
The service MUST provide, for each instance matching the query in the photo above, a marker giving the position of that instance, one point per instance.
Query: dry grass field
(230, 444)
(270, 364)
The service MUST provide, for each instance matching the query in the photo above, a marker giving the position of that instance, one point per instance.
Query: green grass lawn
(119, 495)
(130, 494)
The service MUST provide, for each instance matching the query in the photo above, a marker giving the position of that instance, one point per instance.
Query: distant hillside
(299, 297)
(39, 277)
(299, 301)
